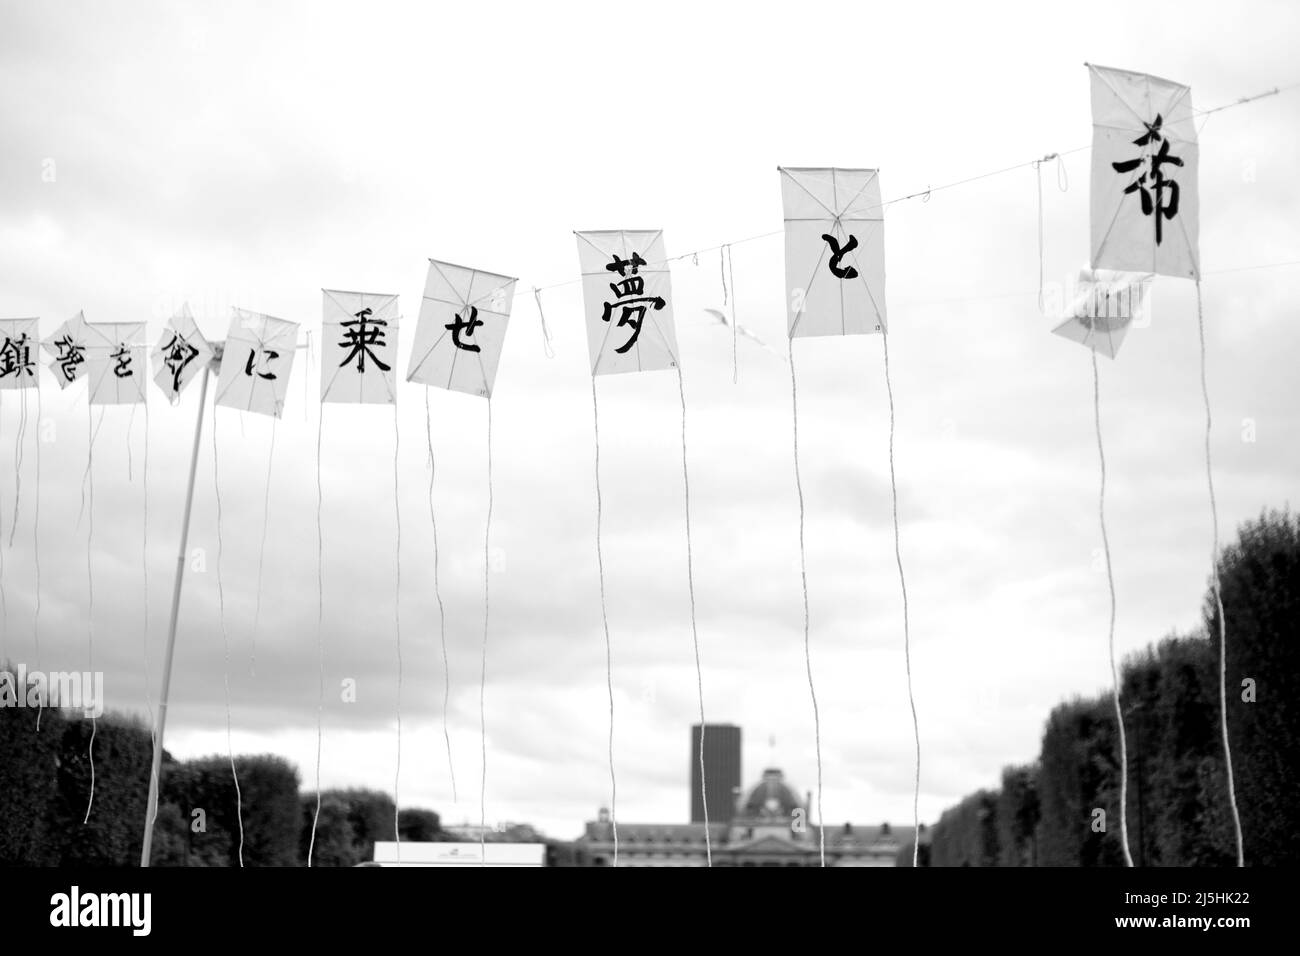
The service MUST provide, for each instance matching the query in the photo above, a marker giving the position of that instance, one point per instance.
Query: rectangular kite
(115, 357)
(462, 328)
(627, 291)
(1145, 207)
(256, 363)
(834, 251)
(359, 348)
(18, 337)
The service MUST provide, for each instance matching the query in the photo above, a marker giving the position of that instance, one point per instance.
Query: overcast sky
(251, 155)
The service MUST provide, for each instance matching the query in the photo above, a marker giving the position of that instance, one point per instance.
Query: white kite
(109, 354)
(1108, 303)
(1145, 207)
(462, 328)
(180, 354)
(834, 251)
(627, 290)
(18, 338)
(115, 354)
(359, 348)
(67, 351)
(256, 363)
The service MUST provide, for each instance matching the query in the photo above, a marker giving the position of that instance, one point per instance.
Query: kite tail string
(4, 603)
(225, 640)
(907, 632)
(437, 593)
(1110, 581)
(695, 634)
(36, 553)
(604, 619)
(261, 552)
(397, 621)
(482, 687)
(1218, 593)
(803, 574)
(320, 636)
(735, 355)
(144, 554)
(1038, 174)
(19, 441)
(546, 332)
(90, 594)
(130, 428)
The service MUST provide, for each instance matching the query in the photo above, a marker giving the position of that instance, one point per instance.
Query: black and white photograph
(475, 436)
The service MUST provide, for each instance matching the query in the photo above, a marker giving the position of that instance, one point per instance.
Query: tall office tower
(721, 772)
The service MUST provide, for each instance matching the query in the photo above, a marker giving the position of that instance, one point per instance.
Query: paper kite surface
(181, 353)
(461, 329)
(109, 355)
(1108, 304)
(628, 299)
(256, 363)
(1145, 206)
(834, 251)
(359, 348)
(19, 353)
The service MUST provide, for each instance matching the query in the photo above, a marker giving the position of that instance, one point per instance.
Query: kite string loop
(437, 593)
(1218, 593)
(546, 332)
(695, 634)
(907, 631)
(1110, 582)
(320, 636)
(803, 576)
(604, 619)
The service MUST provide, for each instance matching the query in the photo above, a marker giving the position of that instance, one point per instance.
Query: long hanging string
(261, 552)
(803, 575)
(482, 687)
(19, 441)
(397, 622)
(695, 634)
(90, 594)
(907, 632)
(225, 637)
(36, 554)
(604, 620)
(437, 593)
(735, 355)
(546, 332)
(1218, 594)
(320, 637)
(1110, 581)
(4, 603)
(144, 640)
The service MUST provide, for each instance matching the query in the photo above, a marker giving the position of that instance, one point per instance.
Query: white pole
(154, 777)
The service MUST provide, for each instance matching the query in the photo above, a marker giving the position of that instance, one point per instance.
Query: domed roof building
(770, 827)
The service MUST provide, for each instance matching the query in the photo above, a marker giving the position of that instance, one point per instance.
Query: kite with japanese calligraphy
(256, 363)
(1145, 209)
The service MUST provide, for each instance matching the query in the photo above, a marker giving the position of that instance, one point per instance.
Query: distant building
(721, 772)
(769, 826)
(459, 854)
